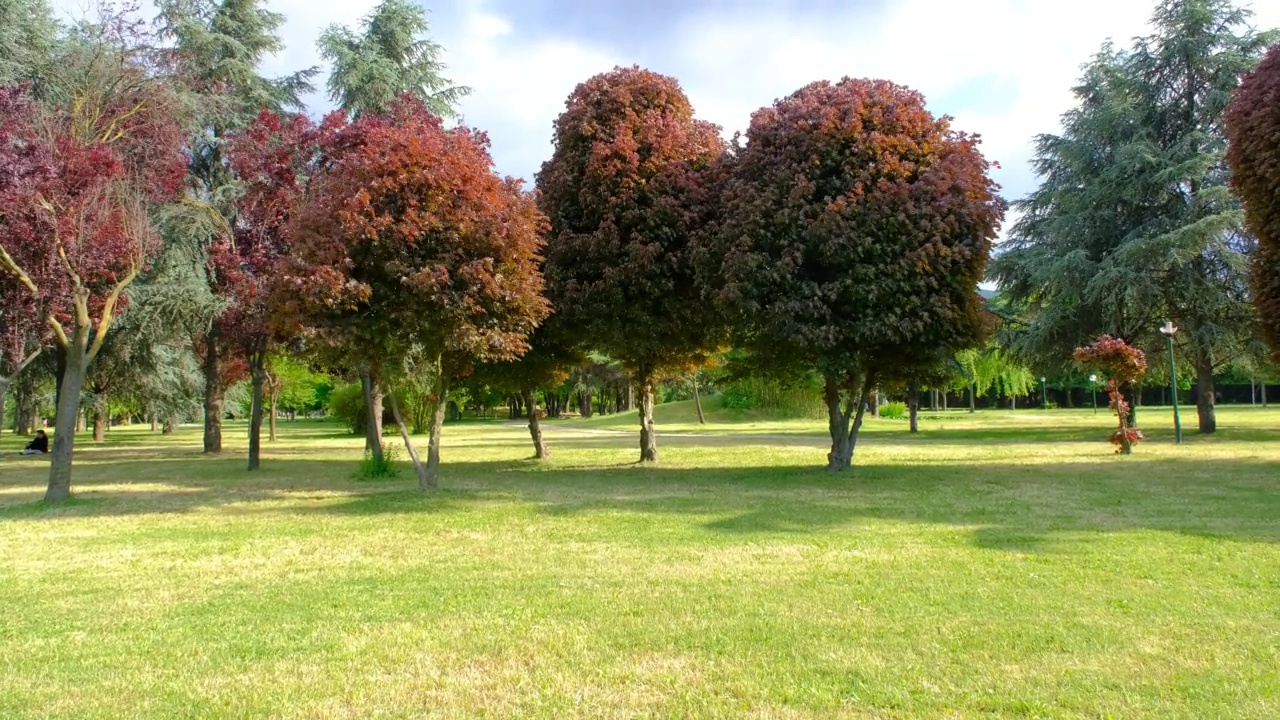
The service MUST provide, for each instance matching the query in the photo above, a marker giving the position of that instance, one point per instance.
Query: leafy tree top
(857, 227)
(1253, 128)
(1124, 363)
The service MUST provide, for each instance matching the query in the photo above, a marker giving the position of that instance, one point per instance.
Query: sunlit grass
(996, 565)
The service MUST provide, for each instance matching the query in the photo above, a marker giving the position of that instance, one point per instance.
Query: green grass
(996, 565)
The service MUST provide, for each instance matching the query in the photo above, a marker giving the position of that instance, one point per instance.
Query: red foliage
(407, 237)
(1253, 132)
(1125, 365)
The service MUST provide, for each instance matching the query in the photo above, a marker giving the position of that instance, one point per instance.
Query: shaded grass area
(997, 565)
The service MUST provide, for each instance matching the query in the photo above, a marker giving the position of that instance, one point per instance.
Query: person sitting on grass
(38, 446)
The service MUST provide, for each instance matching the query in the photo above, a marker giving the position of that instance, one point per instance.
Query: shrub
(893, 410)
(372, 468)
(797, 401)
(346, 403)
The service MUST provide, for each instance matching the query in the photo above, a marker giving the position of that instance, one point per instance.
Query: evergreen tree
(1134, 222)
(390, 56)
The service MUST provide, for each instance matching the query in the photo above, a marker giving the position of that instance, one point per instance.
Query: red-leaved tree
(409, 240)
(1124, 365)
(75, 237)
(1253, 133)
(856, 227)
(629, 189)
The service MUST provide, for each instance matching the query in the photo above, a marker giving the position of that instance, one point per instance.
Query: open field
(997, 565)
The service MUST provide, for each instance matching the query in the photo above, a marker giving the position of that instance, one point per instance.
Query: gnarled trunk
(844, 420)
(373, 413)
(648, 436)
(540, 449)
(214, 395)
(1205, 394)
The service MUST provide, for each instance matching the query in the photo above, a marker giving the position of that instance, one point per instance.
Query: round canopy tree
(1253, 133)
(856, 228)
(626, 191)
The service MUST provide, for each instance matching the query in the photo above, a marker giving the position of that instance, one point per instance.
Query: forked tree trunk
(373, 414)
(214, 395)
(540, 449)
(64, 434)
(258, 378)
(431, 480)
(844, 420)
(697, 401)
(648, 437)
(1205, 394)
(913, 405)
(418, 468)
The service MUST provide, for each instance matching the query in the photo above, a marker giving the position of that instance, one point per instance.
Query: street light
(1044, 392)
(1093, 388)
(1168, 329)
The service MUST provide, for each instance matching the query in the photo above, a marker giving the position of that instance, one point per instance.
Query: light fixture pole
(1168, 329)
(1044, 392)
(1093, 390)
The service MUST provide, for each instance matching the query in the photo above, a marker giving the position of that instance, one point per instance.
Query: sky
(1002, 68)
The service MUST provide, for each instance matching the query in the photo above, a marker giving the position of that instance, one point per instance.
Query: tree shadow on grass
(997, 506)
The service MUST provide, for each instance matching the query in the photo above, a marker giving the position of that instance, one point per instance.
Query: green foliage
(380, 466)
(772, 397)
(346, 403)
(28, 33)
(390, 56)
(893, 411)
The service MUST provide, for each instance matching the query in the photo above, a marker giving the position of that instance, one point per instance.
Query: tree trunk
(214, 395)
(1264, 393)
(697, 401)
(258, 378)
(155, 421)
(540, 449)
(913, 405)
(59, 371)
(973, 400)
(418, 467)
(4, 391)
(648, 437)
(373, 415)
(1205, 390)
(431, 480)
(80, 420)
(170, 426)
(64, 434)
(844, 436)
(585, 407)
(271, 415)
(99, 420)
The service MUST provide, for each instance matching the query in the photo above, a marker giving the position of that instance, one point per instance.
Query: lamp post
(1093, 390)
(1168, 329)
(1044, 392)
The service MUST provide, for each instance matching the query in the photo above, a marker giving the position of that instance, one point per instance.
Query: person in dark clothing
(38, 446)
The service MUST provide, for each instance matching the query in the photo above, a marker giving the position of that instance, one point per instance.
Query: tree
(389, 57)
(22, 330)
(856, 228)
(1133, 221)
(217, 49)
(628, 189)
(28, 36)
(408, 235)
(273, 159)
(1253, 130)
(77, 237)
(545, 366)
(1124, 365)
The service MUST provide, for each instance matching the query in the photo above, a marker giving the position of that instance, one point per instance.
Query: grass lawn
(996, 565)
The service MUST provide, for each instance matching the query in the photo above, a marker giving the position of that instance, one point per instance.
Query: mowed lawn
(996, 565)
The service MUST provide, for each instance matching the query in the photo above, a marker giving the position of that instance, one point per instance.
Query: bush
(372, 468)
(893, 410)
(797, 401)
(346, 403)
